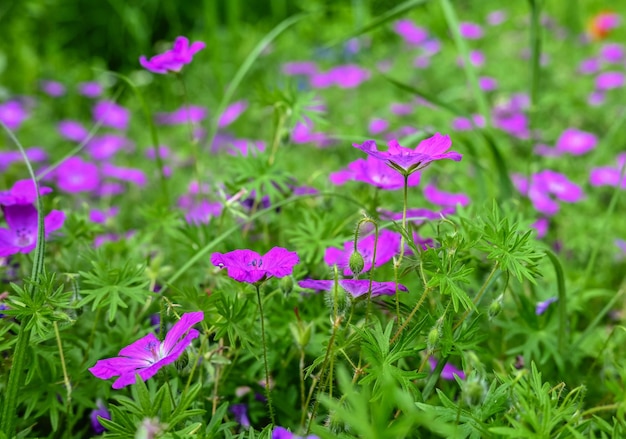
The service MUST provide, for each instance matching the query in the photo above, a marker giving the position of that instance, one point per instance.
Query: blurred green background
(69, 39)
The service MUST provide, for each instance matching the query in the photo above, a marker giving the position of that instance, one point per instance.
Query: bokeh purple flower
(374, 172)
(576, 142)
(448, 372)
(410, 32)
(387, 247)
(111, 115)
(174, 59)
(13, 114)
(354, 287)
(21, 234)
(543, 306)
(102, 412)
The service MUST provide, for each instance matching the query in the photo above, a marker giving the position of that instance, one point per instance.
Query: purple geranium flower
(377, 126)
(22, 192)
(588, 66)
(12, 114)
(374, 172)
(543, 306)
(232, 113)
(21, 235)
(612, 52)
(249, 266)
(76, 175)
(111, 115)
(106, 146)
(240, 411)
(387, 247)
(174, 59)
(131, 175)
(406, 160)
(102, 412)
(448, 372)
(283, 433)
(355, 287)
(147, 355)
(545, 184)
(576, 142)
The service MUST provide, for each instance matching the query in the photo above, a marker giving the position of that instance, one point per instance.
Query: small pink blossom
(174, 59)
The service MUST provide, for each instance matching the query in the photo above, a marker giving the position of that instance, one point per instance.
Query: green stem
(408, 319)
(66, 379)
(396, 265)
(268, 391)
(17, 369)
(479, 295)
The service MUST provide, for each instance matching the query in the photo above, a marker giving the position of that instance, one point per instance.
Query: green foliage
(110, 286)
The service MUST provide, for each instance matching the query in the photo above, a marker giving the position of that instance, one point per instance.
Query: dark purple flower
(12, 114)
(21, 235)
(111, 115)
(76, 175)
(435, 196)
(174, 59)
(406, 160)
(72, 130)
(22, 192)
(3, 307)
(283, 433)
(448, 372)
(576, 142)
(102, 412)
(249, 266)
(185, 114)
(147, 355)
(609, 80)
(90, 89)
(355, 287)
(470, 31)
(387, 247)
(240, 411)
(53, 88)
(411, 33)
(543, 306)
(375, 172)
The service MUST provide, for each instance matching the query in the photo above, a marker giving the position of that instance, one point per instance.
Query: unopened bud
(286, 285)
(495, 308)
(474, 391)
(301, 333)
(433, 338)
(356, 263)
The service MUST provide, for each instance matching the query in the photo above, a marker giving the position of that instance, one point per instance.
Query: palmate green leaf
(312, 235)
(111, 286)
(447, 272)
(234, 318)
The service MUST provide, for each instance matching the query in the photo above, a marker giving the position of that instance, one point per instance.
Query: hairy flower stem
(396, 266)
(408, 319)
(320, 389)
(66, 379)
(9, 404)
(479, 295)
(268, 392)
(280, 125)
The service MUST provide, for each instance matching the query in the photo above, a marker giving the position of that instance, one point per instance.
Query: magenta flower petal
(448, 372)
(410, 32)
(576, 142)
(147, 355)
(249, 266)
(435, 196)
(355, 287)
(388, 246)
(172, 60)
(232, 113)
(609, 80)
(22, 192)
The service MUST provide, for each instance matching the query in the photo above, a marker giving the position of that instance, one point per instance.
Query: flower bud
(356, 263)
(495, 308)
(301, 333)
(286, 285)
(474, 391)
(433, 338)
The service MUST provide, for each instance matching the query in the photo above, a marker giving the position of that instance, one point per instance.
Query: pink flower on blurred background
(147, 355)
(576, 142)
(470, 31)
(12, 114)
(21, 234)
(248, 266)
(111, 115)
(174, 59)
(410, 32)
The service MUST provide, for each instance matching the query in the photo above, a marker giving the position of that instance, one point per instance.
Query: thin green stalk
(396, 265)
(599, 242)
(268, 391)
(245, 68)
(411, 315)
(479, 295)
(8, 420)
(282, 118)
(470, 72)
(562, 302)
(66, 379)
(535, 73)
